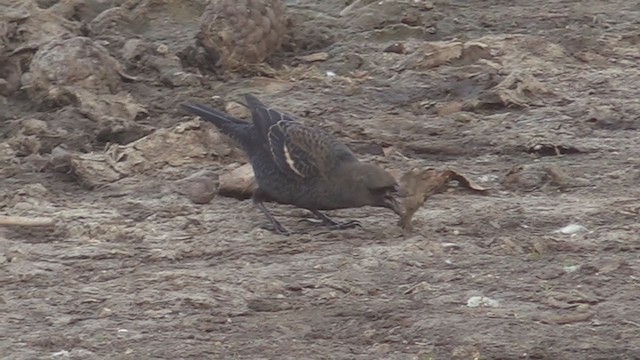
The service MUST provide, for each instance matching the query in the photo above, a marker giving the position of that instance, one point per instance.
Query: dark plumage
(301, 165)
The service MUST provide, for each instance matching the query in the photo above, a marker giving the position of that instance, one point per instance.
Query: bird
(301, 165)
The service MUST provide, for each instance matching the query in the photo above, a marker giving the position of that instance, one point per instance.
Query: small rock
(62, 353)
(82, 354)
(33, 190)
(572, 229)
(200, 187)
(60, 160)
(397, 48)
(476, 301)
(162, 49)
(105, 312)
(570, 268)
(239, 183)
(72, 62)
(133, 48)
(237, 110)
(33, 126)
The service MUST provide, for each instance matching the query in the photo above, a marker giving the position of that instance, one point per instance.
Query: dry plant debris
(417, 185)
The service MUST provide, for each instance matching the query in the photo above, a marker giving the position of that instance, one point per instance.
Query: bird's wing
(305, 152)
(263, 116)
(298, 150)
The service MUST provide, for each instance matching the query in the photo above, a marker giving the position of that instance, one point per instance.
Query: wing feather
(298, 150)
(304, 151)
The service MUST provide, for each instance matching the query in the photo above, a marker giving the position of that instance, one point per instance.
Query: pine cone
(237, 33)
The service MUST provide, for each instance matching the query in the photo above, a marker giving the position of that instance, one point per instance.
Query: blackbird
(301, 165)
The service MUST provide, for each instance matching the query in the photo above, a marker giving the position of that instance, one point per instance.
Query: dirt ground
(537, 100)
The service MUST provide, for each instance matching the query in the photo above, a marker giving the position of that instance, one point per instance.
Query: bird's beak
(391, 203)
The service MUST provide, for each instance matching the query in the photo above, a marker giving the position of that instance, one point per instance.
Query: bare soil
(541, 105)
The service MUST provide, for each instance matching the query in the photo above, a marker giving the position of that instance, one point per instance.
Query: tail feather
(259, 114)
(238, 130)
(263, 116)
(253, 102)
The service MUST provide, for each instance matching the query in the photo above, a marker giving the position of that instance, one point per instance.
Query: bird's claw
(346, 225)
(334, 225)
(276, 228)
(310, 220)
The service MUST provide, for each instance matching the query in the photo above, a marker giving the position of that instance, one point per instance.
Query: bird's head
(373, 186)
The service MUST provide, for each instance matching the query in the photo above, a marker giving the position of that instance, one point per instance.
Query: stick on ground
(26, 221)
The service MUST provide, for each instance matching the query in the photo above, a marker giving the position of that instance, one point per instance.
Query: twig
(25, 221)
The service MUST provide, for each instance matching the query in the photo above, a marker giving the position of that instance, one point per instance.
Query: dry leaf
(464, 181)
(417, 185)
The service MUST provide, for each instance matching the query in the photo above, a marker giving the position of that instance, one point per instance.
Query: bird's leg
(273, 223)
(332, 224)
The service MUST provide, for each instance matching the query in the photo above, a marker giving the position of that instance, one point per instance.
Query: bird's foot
(276, 227)
(344, 225)
(334, 225)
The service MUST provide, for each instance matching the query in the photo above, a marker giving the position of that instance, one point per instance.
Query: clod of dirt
(309, 30)
(114, 114)
(80, 10)
(110, 21)
(518, 89)
(34, 136)
(417, 185)
(158, 57)
(239, 183)
(239, 33)
(186, 143)
(434, 54)
(30, 26)
(10, 74)
(200, 187)
(33, 126)
(22, 30)
(93, 170)
(62, 65)
(369, 15)
(570, 318)
(81, 72)
(540, 176)
(396, 47)
(60, 160)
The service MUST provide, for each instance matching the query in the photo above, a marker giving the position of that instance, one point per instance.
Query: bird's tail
(234, 128)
